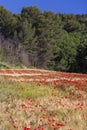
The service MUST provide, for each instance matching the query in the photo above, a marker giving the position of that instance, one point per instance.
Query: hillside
(44, 39)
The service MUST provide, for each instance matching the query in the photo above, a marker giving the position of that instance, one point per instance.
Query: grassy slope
(5, 65)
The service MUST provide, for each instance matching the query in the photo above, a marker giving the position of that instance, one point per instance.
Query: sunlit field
(32, 99)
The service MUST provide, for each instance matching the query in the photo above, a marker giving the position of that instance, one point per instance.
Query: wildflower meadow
(34, 99)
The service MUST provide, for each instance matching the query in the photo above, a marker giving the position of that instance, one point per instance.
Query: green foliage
(3, 54)
(4, 65)
(31, 14)
(51, 41)
(72, 25)
(7, 22)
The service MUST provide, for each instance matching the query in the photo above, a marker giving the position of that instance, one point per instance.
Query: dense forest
(44, 39)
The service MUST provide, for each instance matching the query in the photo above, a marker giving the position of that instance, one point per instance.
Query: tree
(81, 57)
(31, 14)
(7, 22)
(49, 35)
(72, 25)
(28, 40)
(66, 54)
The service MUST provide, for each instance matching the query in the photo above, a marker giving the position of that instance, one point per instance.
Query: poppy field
(33, 99)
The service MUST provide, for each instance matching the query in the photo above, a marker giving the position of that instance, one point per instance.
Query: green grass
(22, 90)
(5, 65)
(33, 90)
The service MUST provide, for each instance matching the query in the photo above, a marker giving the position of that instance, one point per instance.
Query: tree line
(48, 40)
